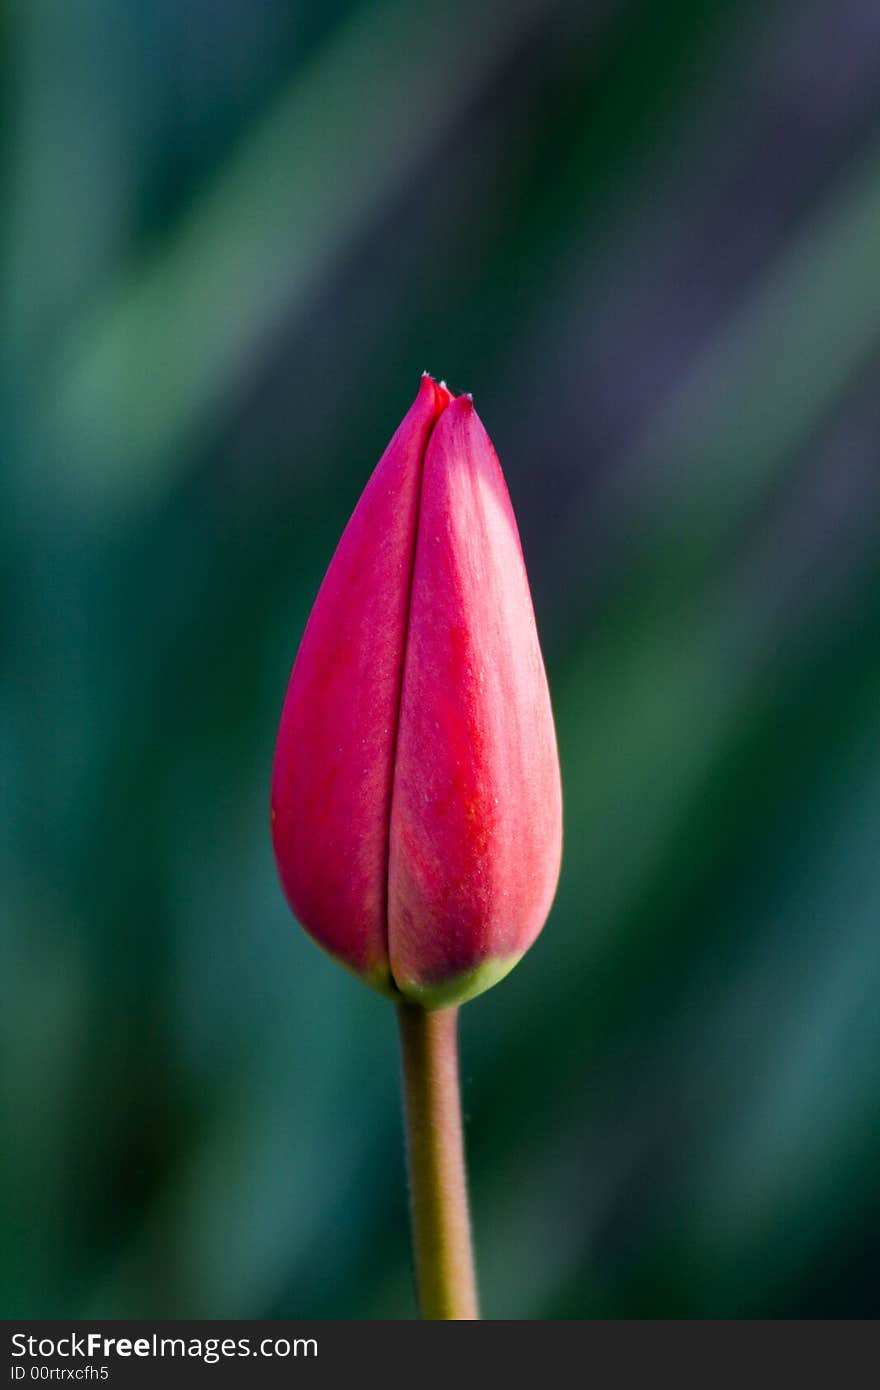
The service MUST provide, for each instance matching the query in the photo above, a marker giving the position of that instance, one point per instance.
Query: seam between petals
(403, 660)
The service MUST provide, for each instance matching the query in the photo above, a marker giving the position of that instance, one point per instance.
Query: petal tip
(438, 391)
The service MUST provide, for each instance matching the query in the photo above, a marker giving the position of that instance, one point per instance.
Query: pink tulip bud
(416, 803)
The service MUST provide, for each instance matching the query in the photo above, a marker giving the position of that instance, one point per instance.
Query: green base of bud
(443, 995)
(459, 988)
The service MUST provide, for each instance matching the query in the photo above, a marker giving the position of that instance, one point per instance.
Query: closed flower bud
(416, 804)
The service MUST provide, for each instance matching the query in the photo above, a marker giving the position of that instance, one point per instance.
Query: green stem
(435, 1149)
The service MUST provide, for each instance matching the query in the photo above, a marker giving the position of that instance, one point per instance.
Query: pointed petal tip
(438, 391)
(461, 413)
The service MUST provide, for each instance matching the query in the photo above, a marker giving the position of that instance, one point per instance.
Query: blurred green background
(647, 237)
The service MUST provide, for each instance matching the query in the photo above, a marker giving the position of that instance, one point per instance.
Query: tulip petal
(332, 776)
(476, 814)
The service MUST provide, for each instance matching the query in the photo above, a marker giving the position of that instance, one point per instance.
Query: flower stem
(435, 1150)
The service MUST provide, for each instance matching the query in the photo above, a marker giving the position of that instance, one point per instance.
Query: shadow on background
(645, 237)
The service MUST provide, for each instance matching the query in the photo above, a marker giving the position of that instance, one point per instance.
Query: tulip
(416, 805)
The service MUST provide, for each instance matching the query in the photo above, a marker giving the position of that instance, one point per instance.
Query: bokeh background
(647, 237)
